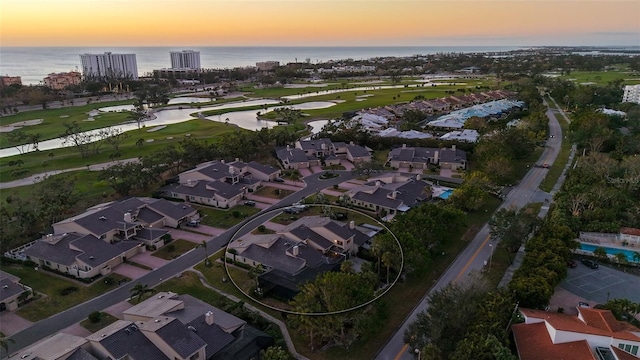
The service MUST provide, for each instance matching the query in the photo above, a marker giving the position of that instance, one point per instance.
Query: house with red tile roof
(594, 334)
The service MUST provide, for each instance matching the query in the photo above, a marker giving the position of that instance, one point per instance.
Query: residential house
(630, 236)
(391, 197)
(11, 291)
(173, 338)
(292, 158)
(592, 334)
(467, 135)
(81, 256)
(358, 154)
(318, 151)
(60, 346)
(92, 243)
(211, 193)
(421, 158)
(124, 340)
(300, 252)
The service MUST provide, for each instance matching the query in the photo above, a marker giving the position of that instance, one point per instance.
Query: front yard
(53, 286)
(174, 249)
(273, 193)
(225, 219)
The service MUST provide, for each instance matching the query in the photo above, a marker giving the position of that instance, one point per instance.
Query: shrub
(262, 228)
(236, 214)
(95, 317)
(68, 290)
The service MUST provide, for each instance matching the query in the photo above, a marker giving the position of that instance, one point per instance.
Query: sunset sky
(318, 22)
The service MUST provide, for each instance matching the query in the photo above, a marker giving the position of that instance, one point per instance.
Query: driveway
(602, 284)
(11, 323)
(331, 192)
(147, 259)
(130, 271)
(284, 186)
(273, 226)
(262, 199)
(77, 330)
(350, 185)
(118, 309)
(188, 235)
(304, 172)
(348, 165)
(316, 169)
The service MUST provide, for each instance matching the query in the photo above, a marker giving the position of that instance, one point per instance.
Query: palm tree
(4, 342)
(139, 290)
(203, 245)
(600, 253)
(621, 259)
(636, 258)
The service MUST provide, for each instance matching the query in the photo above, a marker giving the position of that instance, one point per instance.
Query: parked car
(571, 263)
(293, 210)
(589, 263)
(193, 223)
(250, 203)
(279, 179)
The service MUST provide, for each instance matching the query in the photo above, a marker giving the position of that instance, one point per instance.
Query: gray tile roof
(172, 210)
(453, 156)
(304, 233)
(194, 308)
(292, 155)
(205, 189)
(225, 190)
(341, 231)
(58, 253)
(215, 338)
(81, 354)
(148, 216)
(9, 289)
(275, 256)
(133, 343)
(378, 197)
(95, 251)
(357, 151)
(150, 234)
(215, 171)
(182, 340)
(265, 169)
(315, 144)
(128, 205)
(104, 221)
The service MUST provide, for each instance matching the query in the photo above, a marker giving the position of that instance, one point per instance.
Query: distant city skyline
(319, 23)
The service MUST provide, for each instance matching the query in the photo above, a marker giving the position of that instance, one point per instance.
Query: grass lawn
(51, 286)
(174, 249)
(273, 193)
(68, 158)
(105, 320)
(225, 218)
(603, 77)
(53, 120)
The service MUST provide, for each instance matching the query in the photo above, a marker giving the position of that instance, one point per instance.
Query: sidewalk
(280, 324)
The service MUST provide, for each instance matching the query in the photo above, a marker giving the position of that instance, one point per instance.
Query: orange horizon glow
(316, 22)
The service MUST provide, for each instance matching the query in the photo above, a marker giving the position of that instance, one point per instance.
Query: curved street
(57, 322)
(473, 257)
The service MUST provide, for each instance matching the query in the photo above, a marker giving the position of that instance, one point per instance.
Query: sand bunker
(18, 125)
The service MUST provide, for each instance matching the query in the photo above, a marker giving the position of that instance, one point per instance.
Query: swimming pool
(610, 251)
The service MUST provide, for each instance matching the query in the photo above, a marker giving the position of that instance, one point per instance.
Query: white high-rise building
(631, 94)
(185, 59)
(108, 65)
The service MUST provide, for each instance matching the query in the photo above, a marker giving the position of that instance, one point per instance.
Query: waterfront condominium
(631, 94)
(109, 66)
(185, 59)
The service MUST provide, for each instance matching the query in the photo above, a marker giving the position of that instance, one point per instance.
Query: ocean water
(34, 63)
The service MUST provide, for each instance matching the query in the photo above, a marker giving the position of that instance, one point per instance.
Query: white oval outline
(226, 268)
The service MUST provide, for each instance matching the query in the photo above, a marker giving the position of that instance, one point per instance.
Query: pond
(246, 119)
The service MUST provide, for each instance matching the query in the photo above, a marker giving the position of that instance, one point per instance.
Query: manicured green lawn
(51, 286)
(53, 120)
(603, 77)
(68, 158)
(273, 193)
(174, 249)
(225, 218)
(105, 320)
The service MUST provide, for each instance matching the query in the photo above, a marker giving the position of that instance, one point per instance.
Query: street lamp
(417, 351)
(490, 255)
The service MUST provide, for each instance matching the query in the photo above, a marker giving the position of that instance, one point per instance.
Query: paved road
(64, 319)
(479, 250)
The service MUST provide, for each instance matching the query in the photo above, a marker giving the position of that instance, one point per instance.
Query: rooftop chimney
(352, 224)
(453, 147)
(222, 161)
(436, 157)
(404, 146)
(378, 183)
(127, 217)
(351, 143)
(208, 318)
(238, 159)
(288, 147)
(419, 177)
(296, 250)
(394, 194)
